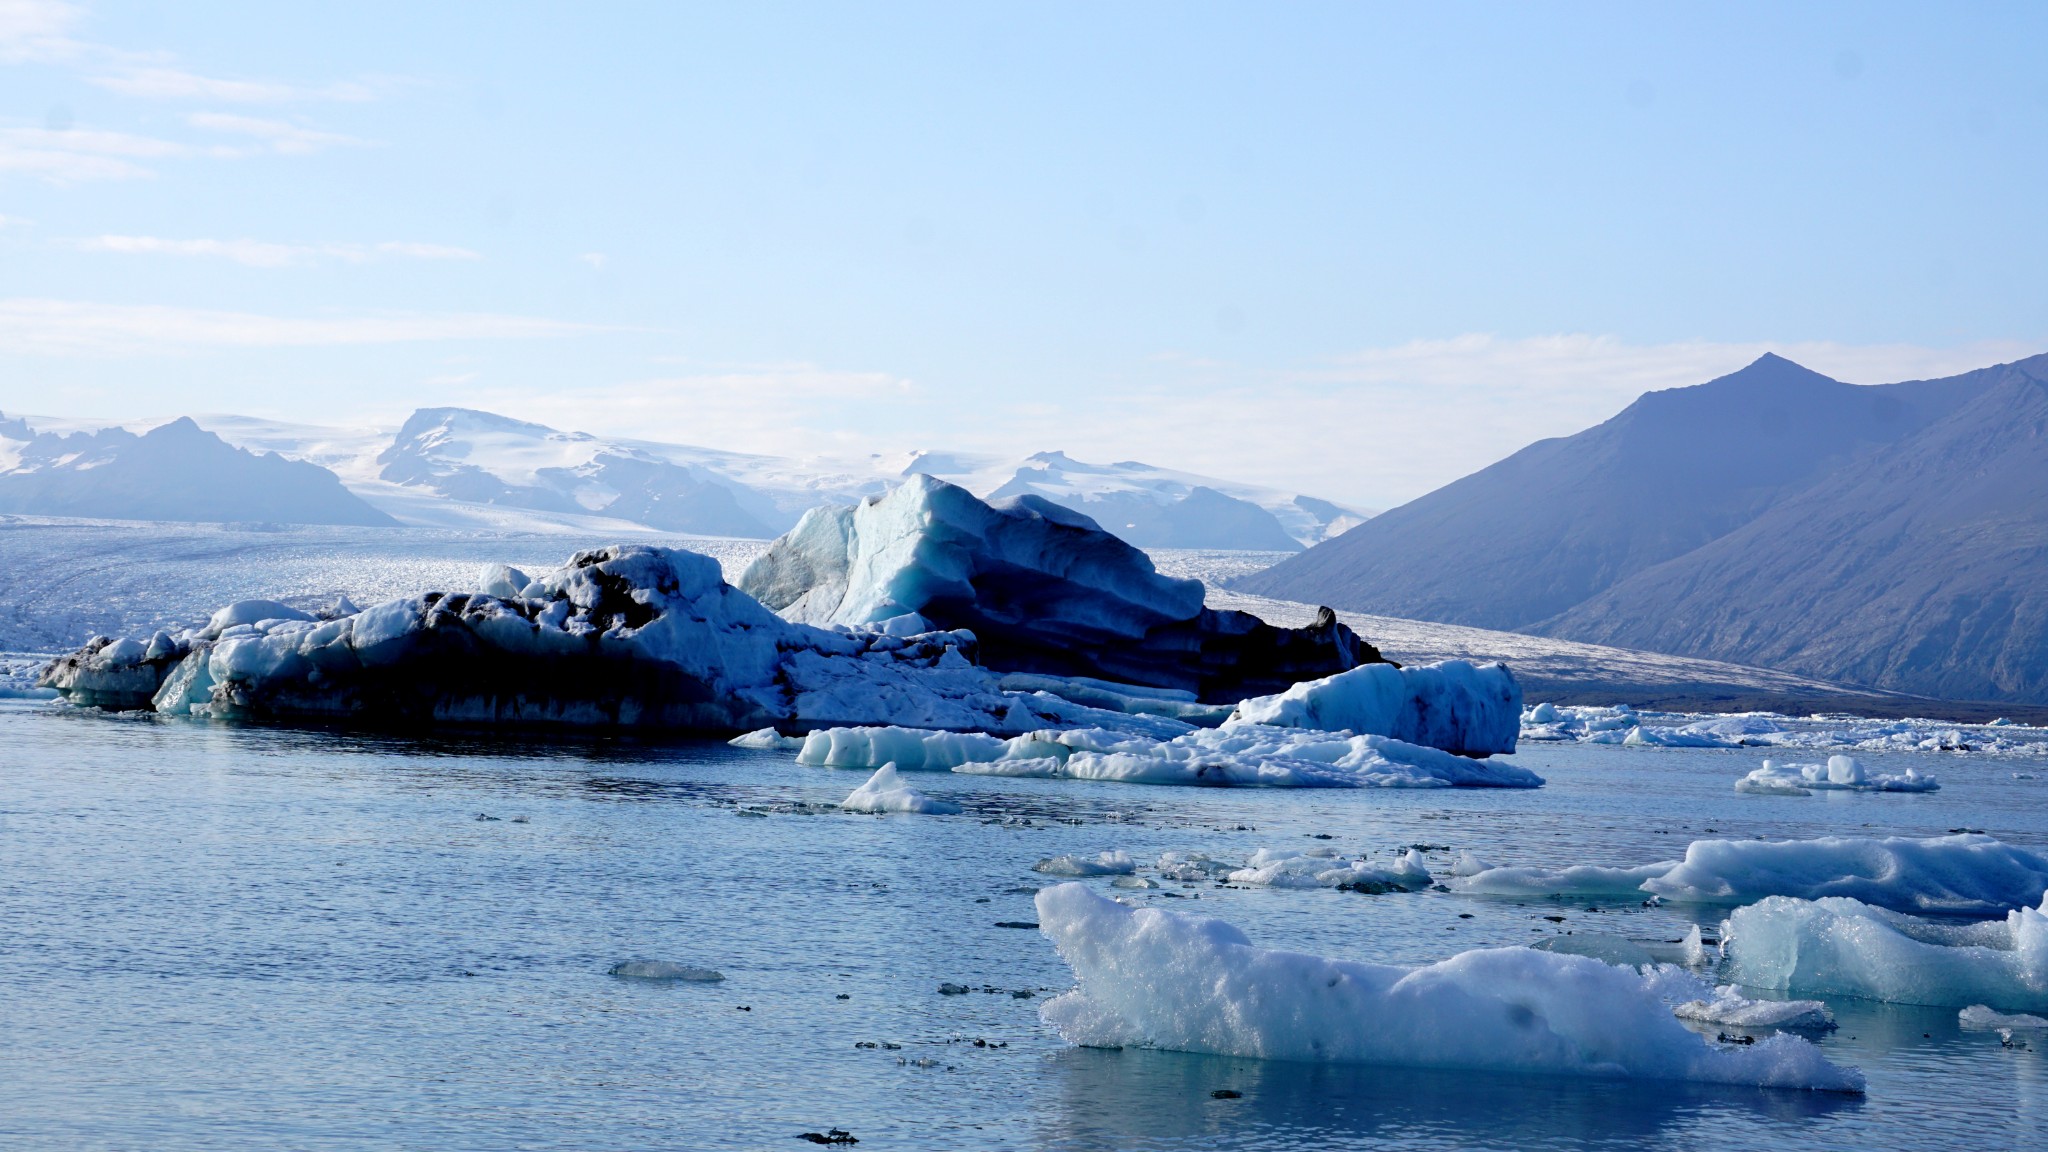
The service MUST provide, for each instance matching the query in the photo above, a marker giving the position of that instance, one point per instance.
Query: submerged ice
(1160, 979)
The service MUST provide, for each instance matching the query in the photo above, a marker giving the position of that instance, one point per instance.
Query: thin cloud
(73, 155)
(265, 254)
(163, 83)
(279, 136)
(74, 328)
(38, 30)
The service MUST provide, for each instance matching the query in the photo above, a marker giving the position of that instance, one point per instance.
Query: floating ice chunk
(1968, 875)
(1731, 1009)
(767, 738)
(1838, 946)
(1454, 705)
(503, 581)
(885, 791)
(1194, 866)
(1840, 773)
(1236, 755)
(1695, 946)
(1280, 868)
(1581, 881)
(1979, 1018)
(1156, 978)
(1116, 863)
(1602, 946)
(664, 970)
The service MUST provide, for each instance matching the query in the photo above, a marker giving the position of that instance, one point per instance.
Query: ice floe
(1235, 755)
(1729, 1008)
(1454, 705)
(1160, 979)
(1839, 946)
(885, 791)
(1474, 877)
(1839, 774)
(1961, 875)
(1620, 724)
(1044, 588)
(767, 739)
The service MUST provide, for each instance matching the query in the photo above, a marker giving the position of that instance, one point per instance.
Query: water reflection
(1144, 1099)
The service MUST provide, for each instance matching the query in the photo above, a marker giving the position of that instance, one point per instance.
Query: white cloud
(594, 259)
(264, 254)
(37, 30)
(278, 136)
(165, 83)
(72, 328)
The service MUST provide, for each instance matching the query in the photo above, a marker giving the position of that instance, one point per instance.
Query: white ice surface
(1839, 774)
(885, 791)
(1839, 946)
(1621, 724)
(1964, 875)
(1730, 1008)
(1284, 868)
(1981, 1018)
(1160, 979)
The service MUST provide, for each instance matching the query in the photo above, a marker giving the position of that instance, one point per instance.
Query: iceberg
(1839, 774)
(1455, 705)
(1161, 979)
(1235, 755)
(629, 636)
(1731, 1009)
(1840, 946)
(1962, 875)
(1044, 589)
(885, 791)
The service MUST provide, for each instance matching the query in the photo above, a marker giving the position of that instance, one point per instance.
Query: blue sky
(1353, 249)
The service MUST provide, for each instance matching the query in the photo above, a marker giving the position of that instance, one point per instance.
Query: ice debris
(1116, 863)
(1044, 588)
(1474, 877)
(1235, 755)
(1839, 946)
(769, 739)
(885, 791)
(1980, 1018)
(1321, 868)
(1731, 1009)
(1620, 724)
(1840, 773)
(1167, 980)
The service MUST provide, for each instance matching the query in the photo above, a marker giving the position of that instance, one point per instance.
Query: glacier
(1166, 980)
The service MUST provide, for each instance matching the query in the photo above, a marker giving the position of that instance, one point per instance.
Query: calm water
(213, 938)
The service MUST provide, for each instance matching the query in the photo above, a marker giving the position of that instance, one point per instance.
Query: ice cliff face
(1044, 588)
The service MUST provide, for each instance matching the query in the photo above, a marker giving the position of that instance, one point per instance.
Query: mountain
(1528, 538)
(175, 472)
(488, 459)
(1921, 568)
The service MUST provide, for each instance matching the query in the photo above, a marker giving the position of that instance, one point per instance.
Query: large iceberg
(1161, 979)
(1044, 588)
(627, 636)
(1839, 946)
(1235, 755)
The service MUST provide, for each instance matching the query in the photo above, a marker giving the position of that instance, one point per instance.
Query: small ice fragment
(1695, 948)
(767, 738)
(1116, 863)
(1981, 1018)
(664, 970)
(1731, 1009)
(885, 791)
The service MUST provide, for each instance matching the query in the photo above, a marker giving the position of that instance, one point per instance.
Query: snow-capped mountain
(459, 466)
(174, 472)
